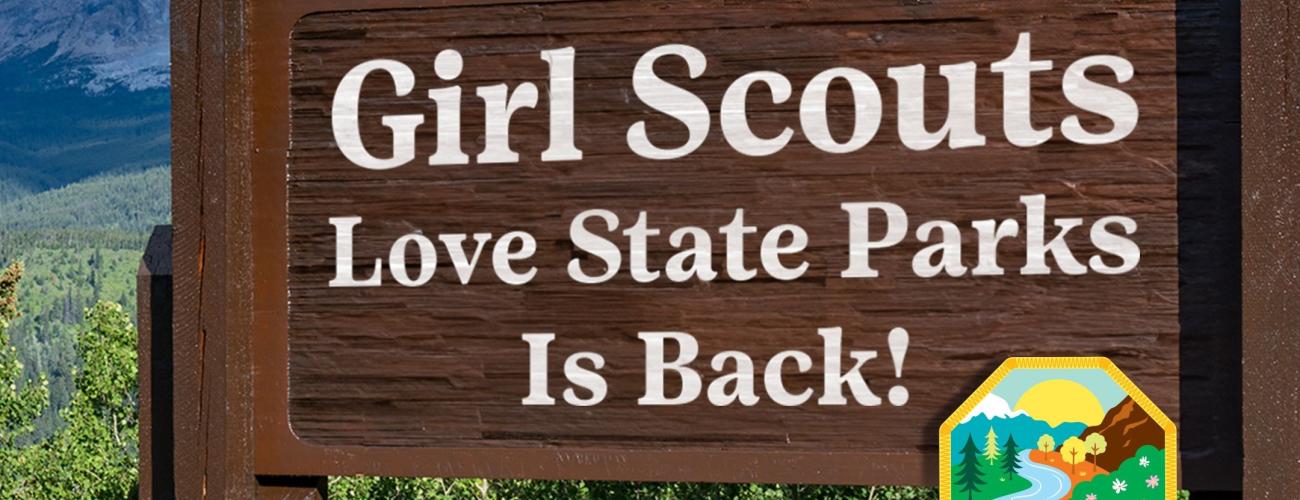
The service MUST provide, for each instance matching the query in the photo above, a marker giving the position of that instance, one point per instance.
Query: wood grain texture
(188, 246)
(443, 366)
(213, 412)
(1270, 81)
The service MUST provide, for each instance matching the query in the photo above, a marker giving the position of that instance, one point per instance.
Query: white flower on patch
(1153, 481)
(1119, 486)
(1144, 462)
(1091, 496)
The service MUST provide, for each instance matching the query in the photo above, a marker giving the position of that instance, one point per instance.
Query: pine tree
(991, 446)
(1010, 461)
(968, 472)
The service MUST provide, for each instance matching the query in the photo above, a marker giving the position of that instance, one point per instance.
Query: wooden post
(1270, 78)
(213, 419)
(154, 323)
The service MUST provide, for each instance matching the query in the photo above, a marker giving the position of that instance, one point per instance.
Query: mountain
(1025, 428)
(992, 406)
(84, 85)
(1126, 428)
(96, 44)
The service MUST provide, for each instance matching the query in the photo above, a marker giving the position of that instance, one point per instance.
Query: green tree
(96, 454)
(991, 446)
(968, 473)
(1010, 462)
(1095, 444)
(18, 407)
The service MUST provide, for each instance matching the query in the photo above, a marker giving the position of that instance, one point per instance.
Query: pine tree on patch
(991, 447)
(1010, 461)
(968, 473)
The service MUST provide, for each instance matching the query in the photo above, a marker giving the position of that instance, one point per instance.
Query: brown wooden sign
(706, 241)
(695, 241)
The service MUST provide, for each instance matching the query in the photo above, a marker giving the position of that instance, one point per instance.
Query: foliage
(59, 286)
(1072, 452)
(10, 190)
(125, 202)
(1095, 444)
(19, 406)
(1046, 443)
(97, 452)
(95, 455)
(1143, 478)
(81, 244)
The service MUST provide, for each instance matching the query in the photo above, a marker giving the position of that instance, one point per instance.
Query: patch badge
(1057, 428)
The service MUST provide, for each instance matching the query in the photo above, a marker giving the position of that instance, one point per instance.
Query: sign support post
(1270, 260)
(213, 379)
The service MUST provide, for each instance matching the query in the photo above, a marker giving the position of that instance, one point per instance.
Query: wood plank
(187, 250)
(213, 381)
(442, 366)
(1270, 80)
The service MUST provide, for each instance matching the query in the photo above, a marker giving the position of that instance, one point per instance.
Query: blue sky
(1018, 381)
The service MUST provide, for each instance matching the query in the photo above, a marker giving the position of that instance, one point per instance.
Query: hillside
(1126, 428)
(107, 211)
(84, 91)
(80, 243)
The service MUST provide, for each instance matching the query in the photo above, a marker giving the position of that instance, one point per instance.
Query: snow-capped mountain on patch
(1025, 429)
(994, 413)
(991, 407)
(92, 44)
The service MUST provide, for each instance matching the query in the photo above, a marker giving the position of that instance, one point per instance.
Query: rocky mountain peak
(1126, 428)
(93, 44)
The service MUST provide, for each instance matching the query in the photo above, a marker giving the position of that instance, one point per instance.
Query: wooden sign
(708, 241)
(696, 241)
(702, 241)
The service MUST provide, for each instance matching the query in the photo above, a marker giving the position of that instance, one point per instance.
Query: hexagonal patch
(1057, 428)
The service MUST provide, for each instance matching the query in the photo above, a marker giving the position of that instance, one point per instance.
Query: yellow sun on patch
(1058, 400)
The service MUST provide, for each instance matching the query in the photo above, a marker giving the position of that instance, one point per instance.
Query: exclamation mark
(898, 351)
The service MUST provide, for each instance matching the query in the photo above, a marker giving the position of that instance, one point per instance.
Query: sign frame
(220, 445)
